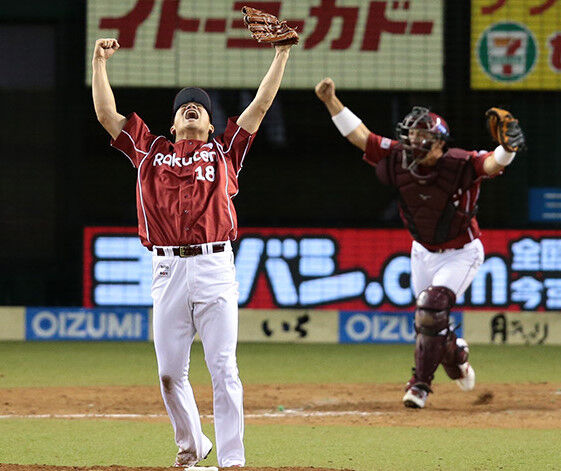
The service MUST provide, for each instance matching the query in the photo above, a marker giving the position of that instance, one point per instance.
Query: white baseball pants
(454, 269)
(199, 294)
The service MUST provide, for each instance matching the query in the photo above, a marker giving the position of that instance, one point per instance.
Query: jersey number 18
(208, 174)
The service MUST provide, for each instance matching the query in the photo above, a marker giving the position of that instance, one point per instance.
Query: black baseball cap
(192, 94)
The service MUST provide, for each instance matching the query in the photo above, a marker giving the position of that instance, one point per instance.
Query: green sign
(507, 51)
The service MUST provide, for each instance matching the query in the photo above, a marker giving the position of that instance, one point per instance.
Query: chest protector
(430, 204)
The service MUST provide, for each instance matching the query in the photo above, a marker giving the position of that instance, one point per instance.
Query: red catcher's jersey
(378, 148)
(184, 189)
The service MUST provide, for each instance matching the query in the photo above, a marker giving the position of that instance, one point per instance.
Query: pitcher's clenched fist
(105, 48)
(325, 90)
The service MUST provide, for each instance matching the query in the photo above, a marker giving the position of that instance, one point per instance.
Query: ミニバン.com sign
(339, 269)
(86, 324)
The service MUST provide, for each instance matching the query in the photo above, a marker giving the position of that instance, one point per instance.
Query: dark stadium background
(58, 173)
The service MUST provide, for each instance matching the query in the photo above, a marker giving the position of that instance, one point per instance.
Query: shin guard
(456, 353)
(432, 327)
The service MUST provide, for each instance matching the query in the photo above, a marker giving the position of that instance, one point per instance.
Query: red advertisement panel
(346, 269)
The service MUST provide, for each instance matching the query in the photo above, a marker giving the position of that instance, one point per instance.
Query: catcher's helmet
(418, 131)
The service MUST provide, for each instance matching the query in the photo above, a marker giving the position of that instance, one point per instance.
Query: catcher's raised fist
(105, 48)
(266, 28)
(325, 89)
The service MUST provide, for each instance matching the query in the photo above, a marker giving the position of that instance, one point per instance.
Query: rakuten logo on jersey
(173, 161)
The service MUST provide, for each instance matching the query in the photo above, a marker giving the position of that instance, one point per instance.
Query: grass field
(353, 446)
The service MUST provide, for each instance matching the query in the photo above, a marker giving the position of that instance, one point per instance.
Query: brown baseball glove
(266, 28)
(505, 130)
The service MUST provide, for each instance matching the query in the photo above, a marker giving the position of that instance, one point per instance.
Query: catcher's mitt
(505, 130)
(267, 28)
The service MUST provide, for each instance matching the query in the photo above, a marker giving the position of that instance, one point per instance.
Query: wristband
(502, 157)
(346, 121)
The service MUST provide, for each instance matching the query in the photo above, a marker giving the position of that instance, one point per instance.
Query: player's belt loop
(164, 251)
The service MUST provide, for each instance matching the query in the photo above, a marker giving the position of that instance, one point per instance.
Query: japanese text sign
(337, 269)
(516, 44)
(360, 44)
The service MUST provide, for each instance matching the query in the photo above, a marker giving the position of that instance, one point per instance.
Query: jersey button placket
(186, 219)
(186, 211)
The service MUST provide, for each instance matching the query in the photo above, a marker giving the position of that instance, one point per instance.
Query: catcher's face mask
(417, 133)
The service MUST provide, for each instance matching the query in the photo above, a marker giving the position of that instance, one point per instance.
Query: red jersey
(184, 189)
(378, 148)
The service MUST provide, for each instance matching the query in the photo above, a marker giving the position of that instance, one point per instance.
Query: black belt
(191, 250)
(438, 250)
(446, 250)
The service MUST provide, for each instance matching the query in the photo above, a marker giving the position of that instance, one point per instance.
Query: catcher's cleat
(415, 397)
(188, 458)
(467, 381)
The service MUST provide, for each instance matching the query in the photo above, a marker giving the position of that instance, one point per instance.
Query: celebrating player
(438, 189)
(187, 218)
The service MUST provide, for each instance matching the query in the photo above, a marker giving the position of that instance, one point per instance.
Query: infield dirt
(530, 405)
(507, 406)
(18, 467)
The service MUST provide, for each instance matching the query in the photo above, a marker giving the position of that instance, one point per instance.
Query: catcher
(187, 219)
(438, 188)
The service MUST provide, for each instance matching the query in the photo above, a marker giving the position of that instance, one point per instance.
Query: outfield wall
(281, 325)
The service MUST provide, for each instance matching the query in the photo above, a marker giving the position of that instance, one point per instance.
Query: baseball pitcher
(438, 189)
(186, 217)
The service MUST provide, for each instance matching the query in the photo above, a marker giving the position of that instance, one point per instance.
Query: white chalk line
(262, 415)
(82, 416)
